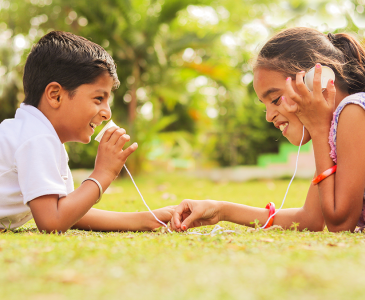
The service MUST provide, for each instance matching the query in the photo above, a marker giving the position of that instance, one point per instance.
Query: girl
(338, 200)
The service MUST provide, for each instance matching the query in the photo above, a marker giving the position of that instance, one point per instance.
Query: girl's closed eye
(276, 101)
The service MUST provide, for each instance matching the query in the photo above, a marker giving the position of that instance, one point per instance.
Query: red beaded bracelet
(324, 175)
(271, 208)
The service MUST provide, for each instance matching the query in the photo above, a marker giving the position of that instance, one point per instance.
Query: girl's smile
(283, 127)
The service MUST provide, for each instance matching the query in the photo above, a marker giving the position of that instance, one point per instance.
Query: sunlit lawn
(244, 265)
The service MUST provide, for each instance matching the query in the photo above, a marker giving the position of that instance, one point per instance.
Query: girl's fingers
(317, 82)
(289, 108)
(178, 213)
(299, 81)
(190, 220)
(331, 94)
(173, 225)
(290, 91)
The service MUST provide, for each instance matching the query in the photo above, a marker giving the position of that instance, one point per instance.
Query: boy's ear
(53, 94)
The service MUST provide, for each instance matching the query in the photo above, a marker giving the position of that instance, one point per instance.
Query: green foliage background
(185, 68)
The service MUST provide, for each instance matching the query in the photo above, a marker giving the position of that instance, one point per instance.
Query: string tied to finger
(98, 138)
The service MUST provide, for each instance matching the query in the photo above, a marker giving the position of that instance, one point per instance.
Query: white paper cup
(106, 127)
(327, 74)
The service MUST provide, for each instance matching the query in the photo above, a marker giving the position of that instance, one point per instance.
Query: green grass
(153, 265)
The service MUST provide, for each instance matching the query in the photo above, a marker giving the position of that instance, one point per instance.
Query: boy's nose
(106, 112)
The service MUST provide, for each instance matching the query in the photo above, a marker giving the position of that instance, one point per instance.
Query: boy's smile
(270, 87)
(76, 116)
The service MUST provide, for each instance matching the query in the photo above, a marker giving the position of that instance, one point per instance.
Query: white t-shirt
(33, 163)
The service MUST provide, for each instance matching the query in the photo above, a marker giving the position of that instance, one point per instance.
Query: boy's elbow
(51, 227)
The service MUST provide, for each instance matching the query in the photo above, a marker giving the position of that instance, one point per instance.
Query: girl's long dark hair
(299, 49)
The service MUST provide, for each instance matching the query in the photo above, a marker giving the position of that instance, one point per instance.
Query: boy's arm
(53, 214)
(102, 220)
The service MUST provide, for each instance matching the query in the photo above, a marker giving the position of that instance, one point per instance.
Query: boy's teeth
(283, 126)
(93, 125)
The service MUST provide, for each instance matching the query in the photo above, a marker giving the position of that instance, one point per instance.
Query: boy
(67, 82)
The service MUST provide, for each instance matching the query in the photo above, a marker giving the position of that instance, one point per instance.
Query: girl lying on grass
(334, 119)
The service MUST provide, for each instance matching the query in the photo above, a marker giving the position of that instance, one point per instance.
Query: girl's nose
(271, 114)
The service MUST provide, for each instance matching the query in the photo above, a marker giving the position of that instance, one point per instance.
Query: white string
(217, 229)
(157, 219)
(296, 166)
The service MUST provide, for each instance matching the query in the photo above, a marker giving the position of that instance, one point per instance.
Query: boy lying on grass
(67, 82)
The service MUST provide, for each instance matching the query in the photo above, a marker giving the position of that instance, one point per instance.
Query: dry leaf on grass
(337, 245)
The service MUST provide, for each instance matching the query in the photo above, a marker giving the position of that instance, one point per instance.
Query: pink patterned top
(358, 99)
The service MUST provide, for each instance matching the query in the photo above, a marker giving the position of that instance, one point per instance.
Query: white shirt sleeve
(39, 166)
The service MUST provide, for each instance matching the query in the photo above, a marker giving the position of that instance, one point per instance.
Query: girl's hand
(195, 213)
(111, 157)
(314, 109)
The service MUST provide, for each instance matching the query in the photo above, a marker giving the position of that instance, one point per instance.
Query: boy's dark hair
(65, 58)
(299, 49)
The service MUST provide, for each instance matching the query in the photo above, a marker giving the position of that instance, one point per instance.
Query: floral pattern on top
(358, 99)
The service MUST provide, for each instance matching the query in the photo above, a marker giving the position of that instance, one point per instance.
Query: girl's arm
(341, 194)
(308, 217)
(194, 213)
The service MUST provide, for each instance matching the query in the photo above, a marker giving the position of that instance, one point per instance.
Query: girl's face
(270, 87)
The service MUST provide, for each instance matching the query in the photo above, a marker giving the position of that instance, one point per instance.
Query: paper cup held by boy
(327, 74)
(106, 127)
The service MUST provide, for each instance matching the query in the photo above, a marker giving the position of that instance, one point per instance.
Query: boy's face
(86, 109)
(270, 86)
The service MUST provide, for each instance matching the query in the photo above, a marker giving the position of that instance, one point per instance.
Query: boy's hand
(164, 214)
(195, 213)
(111, 157)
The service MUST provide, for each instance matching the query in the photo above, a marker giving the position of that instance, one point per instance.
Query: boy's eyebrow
(105, 93)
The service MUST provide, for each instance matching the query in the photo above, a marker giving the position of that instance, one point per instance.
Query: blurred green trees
(186, 91)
